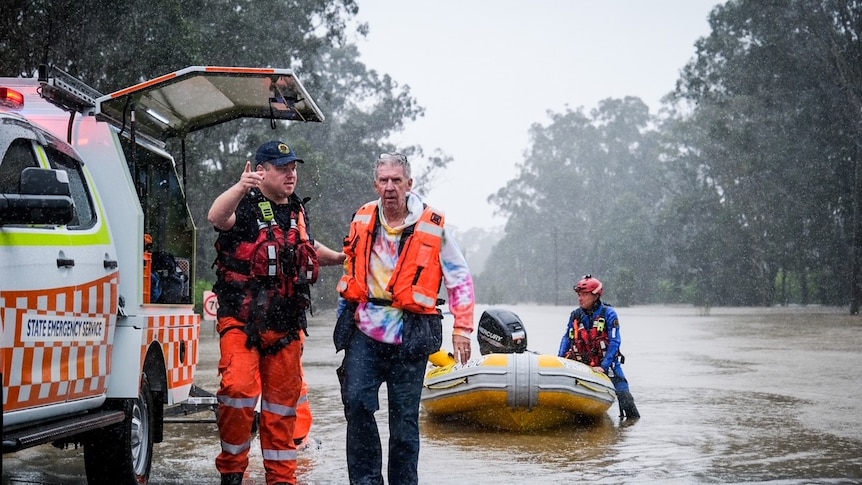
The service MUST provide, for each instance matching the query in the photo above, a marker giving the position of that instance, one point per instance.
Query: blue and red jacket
(592, 337)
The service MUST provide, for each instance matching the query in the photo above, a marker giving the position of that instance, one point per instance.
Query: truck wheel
(122, 454)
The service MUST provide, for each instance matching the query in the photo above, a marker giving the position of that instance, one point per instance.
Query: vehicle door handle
(65, 263)
(110, 264)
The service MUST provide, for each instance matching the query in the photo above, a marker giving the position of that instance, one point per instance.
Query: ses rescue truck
(97, 246)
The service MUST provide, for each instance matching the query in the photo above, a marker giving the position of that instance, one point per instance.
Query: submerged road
(734, 396)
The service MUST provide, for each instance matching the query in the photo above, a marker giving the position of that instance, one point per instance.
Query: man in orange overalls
(265, 265)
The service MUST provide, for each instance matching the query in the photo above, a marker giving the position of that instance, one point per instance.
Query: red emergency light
(10, 98)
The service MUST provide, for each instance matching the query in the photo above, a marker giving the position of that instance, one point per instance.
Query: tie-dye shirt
(385, 323)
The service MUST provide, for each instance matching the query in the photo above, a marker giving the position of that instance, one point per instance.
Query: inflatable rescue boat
(510, 388)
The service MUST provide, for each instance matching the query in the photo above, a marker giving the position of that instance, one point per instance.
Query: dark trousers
(367, 365)
(621, 384)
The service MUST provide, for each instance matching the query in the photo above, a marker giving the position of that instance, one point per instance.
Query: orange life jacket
(415, 283)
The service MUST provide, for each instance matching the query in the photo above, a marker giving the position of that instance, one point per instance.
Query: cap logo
(283, 149)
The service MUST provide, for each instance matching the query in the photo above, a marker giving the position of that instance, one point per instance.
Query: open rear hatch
(201, 96)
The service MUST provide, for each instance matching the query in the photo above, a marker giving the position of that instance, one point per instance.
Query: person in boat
(593, 337)
(398, 254)
(266, 263)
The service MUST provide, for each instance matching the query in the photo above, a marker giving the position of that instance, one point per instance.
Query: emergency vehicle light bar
(67, 91)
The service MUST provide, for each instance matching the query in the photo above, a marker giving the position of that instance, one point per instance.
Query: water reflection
(738, 396)
(584, 440)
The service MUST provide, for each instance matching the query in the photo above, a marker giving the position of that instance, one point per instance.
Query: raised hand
(250, 179)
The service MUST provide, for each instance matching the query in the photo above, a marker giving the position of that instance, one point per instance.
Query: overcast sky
(486, 70)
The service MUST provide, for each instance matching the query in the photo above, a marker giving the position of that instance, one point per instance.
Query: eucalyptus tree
(110, 45)
(773, 137)
(107, 44)
(585, 201)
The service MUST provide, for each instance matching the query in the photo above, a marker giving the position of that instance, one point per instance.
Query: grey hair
(392, 159)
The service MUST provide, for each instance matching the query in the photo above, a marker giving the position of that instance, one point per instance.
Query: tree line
(743, 189)
(111, 45)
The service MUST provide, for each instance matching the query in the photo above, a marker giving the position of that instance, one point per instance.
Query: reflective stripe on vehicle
(60, 342)
(50, 236)
(169, 331)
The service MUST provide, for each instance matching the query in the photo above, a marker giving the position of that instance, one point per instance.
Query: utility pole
(855, 251)
(556, 271)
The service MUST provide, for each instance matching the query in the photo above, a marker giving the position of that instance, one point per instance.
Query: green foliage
(624, 285)
(745, 192)
(111, 45)
(768, 148)
(593, 181)
(201, 285)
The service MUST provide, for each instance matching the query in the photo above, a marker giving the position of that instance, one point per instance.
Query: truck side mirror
(44, 198)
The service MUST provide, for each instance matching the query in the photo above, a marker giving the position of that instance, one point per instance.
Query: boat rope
(592, 388)
(447, 384)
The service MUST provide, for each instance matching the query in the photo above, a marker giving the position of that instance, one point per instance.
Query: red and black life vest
(264, 277)
(589, 345)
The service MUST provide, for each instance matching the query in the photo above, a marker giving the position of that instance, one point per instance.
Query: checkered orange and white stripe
(40, 372)
(170, 331)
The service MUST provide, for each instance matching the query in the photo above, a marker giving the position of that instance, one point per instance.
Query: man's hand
(461, 348)
(222, 214)
(249, 178)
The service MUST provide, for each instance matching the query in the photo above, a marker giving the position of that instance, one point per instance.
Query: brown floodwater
(730, 396)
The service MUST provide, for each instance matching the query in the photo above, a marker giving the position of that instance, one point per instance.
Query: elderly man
(398, 254)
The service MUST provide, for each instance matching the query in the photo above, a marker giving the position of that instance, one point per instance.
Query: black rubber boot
(231, 478)
(627, 405)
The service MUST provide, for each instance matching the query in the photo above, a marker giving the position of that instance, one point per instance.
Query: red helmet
(590, 285)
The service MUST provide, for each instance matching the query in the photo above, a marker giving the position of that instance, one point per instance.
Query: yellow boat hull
(517, 392)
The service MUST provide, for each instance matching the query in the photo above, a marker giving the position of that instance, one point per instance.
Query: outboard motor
(501, 332)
